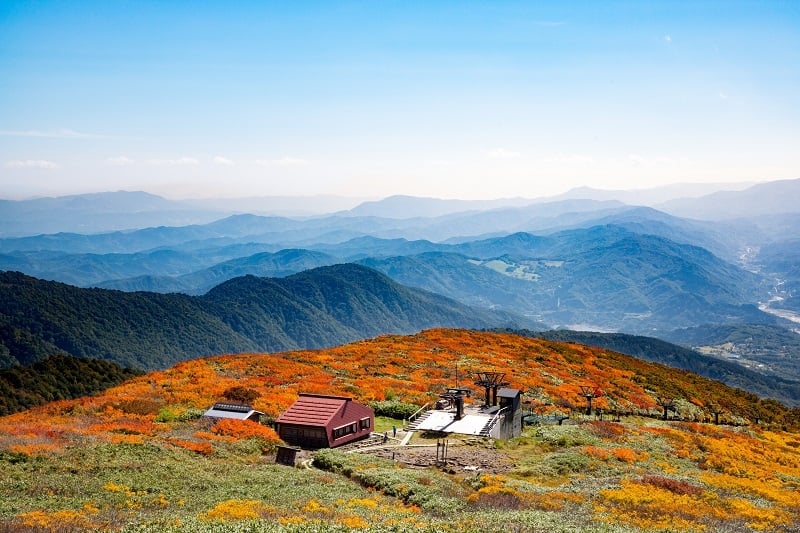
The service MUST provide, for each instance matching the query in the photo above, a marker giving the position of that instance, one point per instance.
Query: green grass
(385, 423)
(149, 487)
(151, 484)
(157, 487)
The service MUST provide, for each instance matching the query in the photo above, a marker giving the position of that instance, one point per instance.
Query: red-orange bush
(606, 430)
(203, 448)
(673, 485)
(246, 429)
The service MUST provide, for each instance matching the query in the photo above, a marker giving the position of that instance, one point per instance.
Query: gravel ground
(462, 456)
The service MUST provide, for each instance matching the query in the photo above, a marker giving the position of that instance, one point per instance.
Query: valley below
(147, 298)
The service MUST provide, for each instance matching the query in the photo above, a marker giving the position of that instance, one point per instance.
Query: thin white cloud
(31, 163)
(284, 162)
(502, 153)
(568, 159)
(668, 39)
(120, 161)
(219, 160)
(181, 161)
(51, 134)
(636, 160)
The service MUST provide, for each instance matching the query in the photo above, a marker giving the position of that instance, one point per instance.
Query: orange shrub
(66, 520)
(554, 501)
(626, 455)
(203, 448)
(246, 429)
(236, 510)
(33, 450)
(126, 426)
(598, 453)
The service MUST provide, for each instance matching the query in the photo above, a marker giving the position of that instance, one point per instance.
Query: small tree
(241, 394)
(716, 410)
(667, 404)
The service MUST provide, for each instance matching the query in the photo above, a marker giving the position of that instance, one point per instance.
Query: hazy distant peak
(770, 198)
(404, 207)
(652, 196)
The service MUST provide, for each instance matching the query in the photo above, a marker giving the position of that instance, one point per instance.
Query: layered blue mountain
(603, 278)
(585, 261)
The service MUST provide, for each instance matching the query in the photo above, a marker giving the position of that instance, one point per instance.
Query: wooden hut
(321, 421)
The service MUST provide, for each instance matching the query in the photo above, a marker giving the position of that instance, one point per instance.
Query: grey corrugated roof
(506, 392)
(231, 410)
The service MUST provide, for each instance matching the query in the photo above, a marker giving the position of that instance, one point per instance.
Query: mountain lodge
(322, 421)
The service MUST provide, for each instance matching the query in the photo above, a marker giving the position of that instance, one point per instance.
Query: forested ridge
(59, 377)
(314, 309)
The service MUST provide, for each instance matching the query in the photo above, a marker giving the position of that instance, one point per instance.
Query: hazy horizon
(454, 100)
(672, 190)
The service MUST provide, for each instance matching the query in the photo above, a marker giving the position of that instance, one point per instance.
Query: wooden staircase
(418, 420)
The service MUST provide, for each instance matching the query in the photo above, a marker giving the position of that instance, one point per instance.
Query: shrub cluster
(412, 487)
(394, 409)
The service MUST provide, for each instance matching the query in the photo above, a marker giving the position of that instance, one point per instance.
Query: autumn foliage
(246, 429)
(685, 473)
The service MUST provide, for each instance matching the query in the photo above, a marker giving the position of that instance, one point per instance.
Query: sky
(449, 99)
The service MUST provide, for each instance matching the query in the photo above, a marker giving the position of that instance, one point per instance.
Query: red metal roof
(313, 410)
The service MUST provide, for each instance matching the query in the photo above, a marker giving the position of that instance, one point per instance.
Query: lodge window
(344, 430)
(364, 423)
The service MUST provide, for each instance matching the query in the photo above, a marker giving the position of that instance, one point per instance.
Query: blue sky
(480, 99)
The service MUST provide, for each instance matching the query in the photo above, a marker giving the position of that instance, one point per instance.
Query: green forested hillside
(605, 276)
(314, 309)
(139, 330)
(59, 377)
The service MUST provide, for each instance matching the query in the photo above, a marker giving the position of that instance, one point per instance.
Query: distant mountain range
(314, 309)
(605, 277)
(602, 278)
(126, 210)
(587, 260)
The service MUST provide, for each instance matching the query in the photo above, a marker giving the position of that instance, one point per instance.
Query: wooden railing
(415, 415)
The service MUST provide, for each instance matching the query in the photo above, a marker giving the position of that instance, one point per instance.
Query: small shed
(322, 421)
(510, 397)
(237, 411)
(511, 424)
